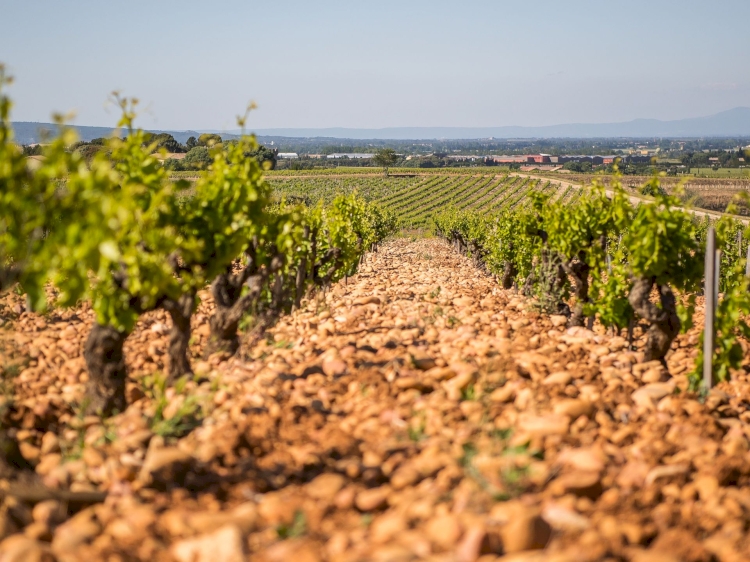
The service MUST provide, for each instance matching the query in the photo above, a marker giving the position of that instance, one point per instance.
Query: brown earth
(416, 412)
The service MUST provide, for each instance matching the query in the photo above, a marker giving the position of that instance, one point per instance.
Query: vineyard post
(747, 262)
(709, 293)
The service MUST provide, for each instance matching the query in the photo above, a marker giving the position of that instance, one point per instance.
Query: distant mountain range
(28, 132)
(731, 123)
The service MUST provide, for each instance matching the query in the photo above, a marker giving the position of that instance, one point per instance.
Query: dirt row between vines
(416, 412)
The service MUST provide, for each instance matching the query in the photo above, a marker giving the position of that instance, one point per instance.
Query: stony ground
(416, 412)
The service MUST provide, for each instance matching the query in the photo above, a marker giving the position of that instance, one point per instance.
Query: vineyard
(449, 366)
(415, 199)
(714, 193)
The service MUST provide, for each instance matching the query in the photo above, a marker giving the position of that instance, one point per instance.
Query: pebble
(224, 544)
(372, 499)
(443, 531)
(525, 530)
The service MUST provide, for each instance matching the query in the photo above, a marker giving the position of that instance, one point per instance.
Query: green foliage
(579, 231)
(209, 140)
(731, 322)
(198, 157)
(386, 158)
(115, 230)
(183, 420)
(31, 204)
(297, 528)
(265, 156)
(661, 243)
(658, 242)
(578, 167)
(227, 210)
(119, 248)
(166, 142)
(733, 310)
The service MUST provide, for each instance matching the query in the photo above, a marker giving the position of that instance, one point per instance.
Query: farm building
(350, 155)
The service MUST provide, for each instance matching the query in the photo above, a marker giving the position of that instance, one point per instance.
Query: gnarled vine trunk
(579, 270)
(105, 361)
(9, 276)
(509, 275)
(477, 255)
(549, 275)
(180, 311)
(664, 324)
(299, 283)
(231, 306)
(11, 460)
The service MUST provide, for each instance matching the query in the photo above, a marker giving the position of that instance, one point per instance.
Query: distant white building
(287, 155)
(350, 155)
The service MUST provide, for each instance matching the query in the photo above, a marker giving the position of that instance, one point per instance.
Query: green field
(415, 198)
(739, 173)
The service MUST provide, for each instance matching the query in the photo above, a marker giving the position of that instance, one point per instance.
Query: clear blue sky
(196, 64)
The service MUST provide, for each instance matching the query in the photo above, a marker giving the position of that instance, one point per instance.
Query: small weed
(364, 389)
(75, 451)
(366, 519)
(416, 433)
(427, 256)
(703, 394)
(513, 478)
(297, 528)
(438, 311)
(434, 294)
(470, 451)
(215, 385)
(110, 434)
(283, 344)
(502, 434)
(187, 417)
(469, 393)
(452, 321)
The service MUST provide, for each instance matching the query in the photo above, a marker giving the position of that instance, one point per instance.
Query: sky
(405, 63)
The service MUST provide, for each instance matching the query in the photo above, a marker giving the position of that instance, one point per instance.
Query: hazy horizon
(338, 65)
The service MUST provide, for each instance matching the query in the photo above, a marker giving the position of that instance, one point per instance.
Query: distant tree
(167, 142)
(198, 157)
(385, 157)
(174, 165)
(88, 151)
(578, 167)
(191, 143)
(208, 139)
(29, 150)
(265, 154)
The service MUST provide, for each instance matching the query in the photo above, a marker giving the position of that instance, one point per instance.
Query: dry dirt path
(416, 412)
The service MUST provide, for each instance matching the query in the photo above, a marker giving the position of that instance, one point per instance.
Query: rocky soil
(415, 412)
